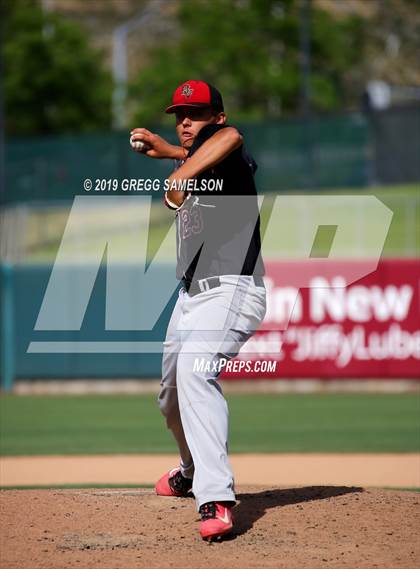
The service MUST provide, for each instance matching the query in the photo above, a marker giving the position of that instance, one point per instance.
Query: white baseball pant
(211, 325)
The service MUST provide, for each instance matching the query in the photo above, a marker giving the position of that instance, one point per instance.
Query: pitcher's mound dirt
(297, 528)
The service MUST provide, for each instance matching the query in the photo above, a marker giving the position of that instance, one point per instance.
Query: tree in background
(54, 81)
(393, 44)
(250, 49)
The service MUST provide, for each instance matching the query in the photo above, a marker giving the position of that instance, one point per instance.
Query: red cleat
(173, 484)
(216, 520)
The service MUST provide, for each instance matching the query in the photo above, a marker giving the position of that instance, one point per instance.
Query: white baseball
(137, 144)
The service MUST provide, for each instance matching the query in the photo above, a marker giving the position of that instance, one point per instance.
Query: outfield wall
(322, 151)
(328, 151)
(315, 327)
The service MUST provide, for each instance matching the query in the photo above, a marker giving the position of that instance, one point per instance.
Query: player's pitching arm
(210, 153)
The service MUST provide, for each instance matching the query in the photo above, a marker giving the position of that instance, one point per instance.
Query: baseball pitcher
(222, 300)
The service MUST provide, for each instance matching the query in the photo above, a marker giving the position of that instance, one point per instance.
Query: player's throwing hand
(153, 145)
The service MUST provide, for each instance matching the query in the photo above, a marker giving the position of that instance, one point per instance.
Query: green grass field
(403, 238)
(259, 423)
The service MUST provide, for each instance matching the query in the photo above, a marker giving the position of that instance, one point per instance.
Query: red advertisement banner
(323, 323)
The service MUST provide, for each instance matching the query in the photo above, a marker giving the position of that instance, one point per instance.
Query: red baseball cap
(196, 94)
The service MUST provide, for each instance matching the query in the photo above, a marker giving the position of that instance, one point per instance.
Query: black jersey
(218, 225)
